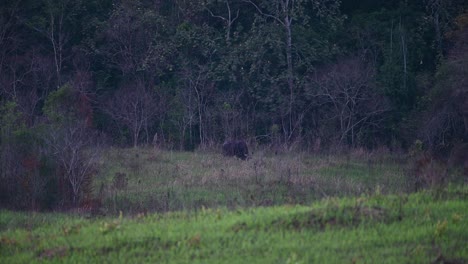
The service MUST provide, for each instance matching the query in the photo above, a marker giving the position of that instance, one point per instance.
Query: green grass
(425, 227)
(160, 181)
(184, 207)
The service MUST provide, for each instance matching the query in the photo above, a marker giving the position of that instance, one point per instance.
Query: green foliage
(27, 178)
(59, 106)
(12, 122)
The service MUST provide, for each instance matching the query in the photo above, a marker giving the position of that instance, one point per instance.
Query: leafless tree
(70, 138)
(440, 127)
(186, 117)
(439, 12)
(27, 81)
(134, 105)
(76, 149)
(195, 80)
(352, 103)
(55, 30)
(228, 18)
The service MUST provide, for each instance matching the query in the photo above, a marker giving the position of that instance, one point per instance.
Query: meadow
(142, 180)
(182, 207)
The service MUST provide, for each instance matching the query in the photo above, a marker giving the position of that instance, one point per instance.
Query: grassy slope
(416, 228)
(175, 181)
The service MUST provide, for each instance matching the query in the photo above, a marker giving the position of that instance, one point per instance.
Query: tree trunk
(287, 24)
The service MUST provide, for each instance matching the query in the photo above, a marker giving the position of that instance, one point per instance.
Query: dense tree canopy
(194, 73)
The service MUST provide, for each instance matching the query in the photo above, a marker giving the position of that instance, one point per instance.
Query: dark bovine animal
(236, 148)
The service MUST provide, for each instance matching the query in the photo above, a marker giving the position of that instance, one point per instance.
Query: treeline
(316, 74)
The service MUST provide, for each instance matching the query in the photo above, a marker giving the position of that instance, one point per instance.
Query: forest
(306, 75)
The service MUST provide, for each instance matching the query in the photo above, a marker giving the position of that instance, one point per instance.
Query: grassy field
(181, 207)
(161, 181)
(426, 227)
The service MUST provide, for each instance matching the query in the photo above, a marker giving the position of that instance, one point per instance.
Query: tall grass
(162, 181)
(286, 208)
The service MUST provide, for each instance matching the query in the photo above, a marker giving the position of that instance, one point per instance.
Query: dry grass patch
(168, 180)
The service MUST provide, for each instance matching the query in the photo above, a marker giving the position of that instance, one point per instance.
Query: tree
(133, 41)
(443, 13)
(196, 57)
(8, 37)
(346, 93)
(227, 19)
(69, 139)
(77, 153)
(25, 73)
(134, 105)
(10, 156)
(55, 21)
(286, 13)
(446, 118)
